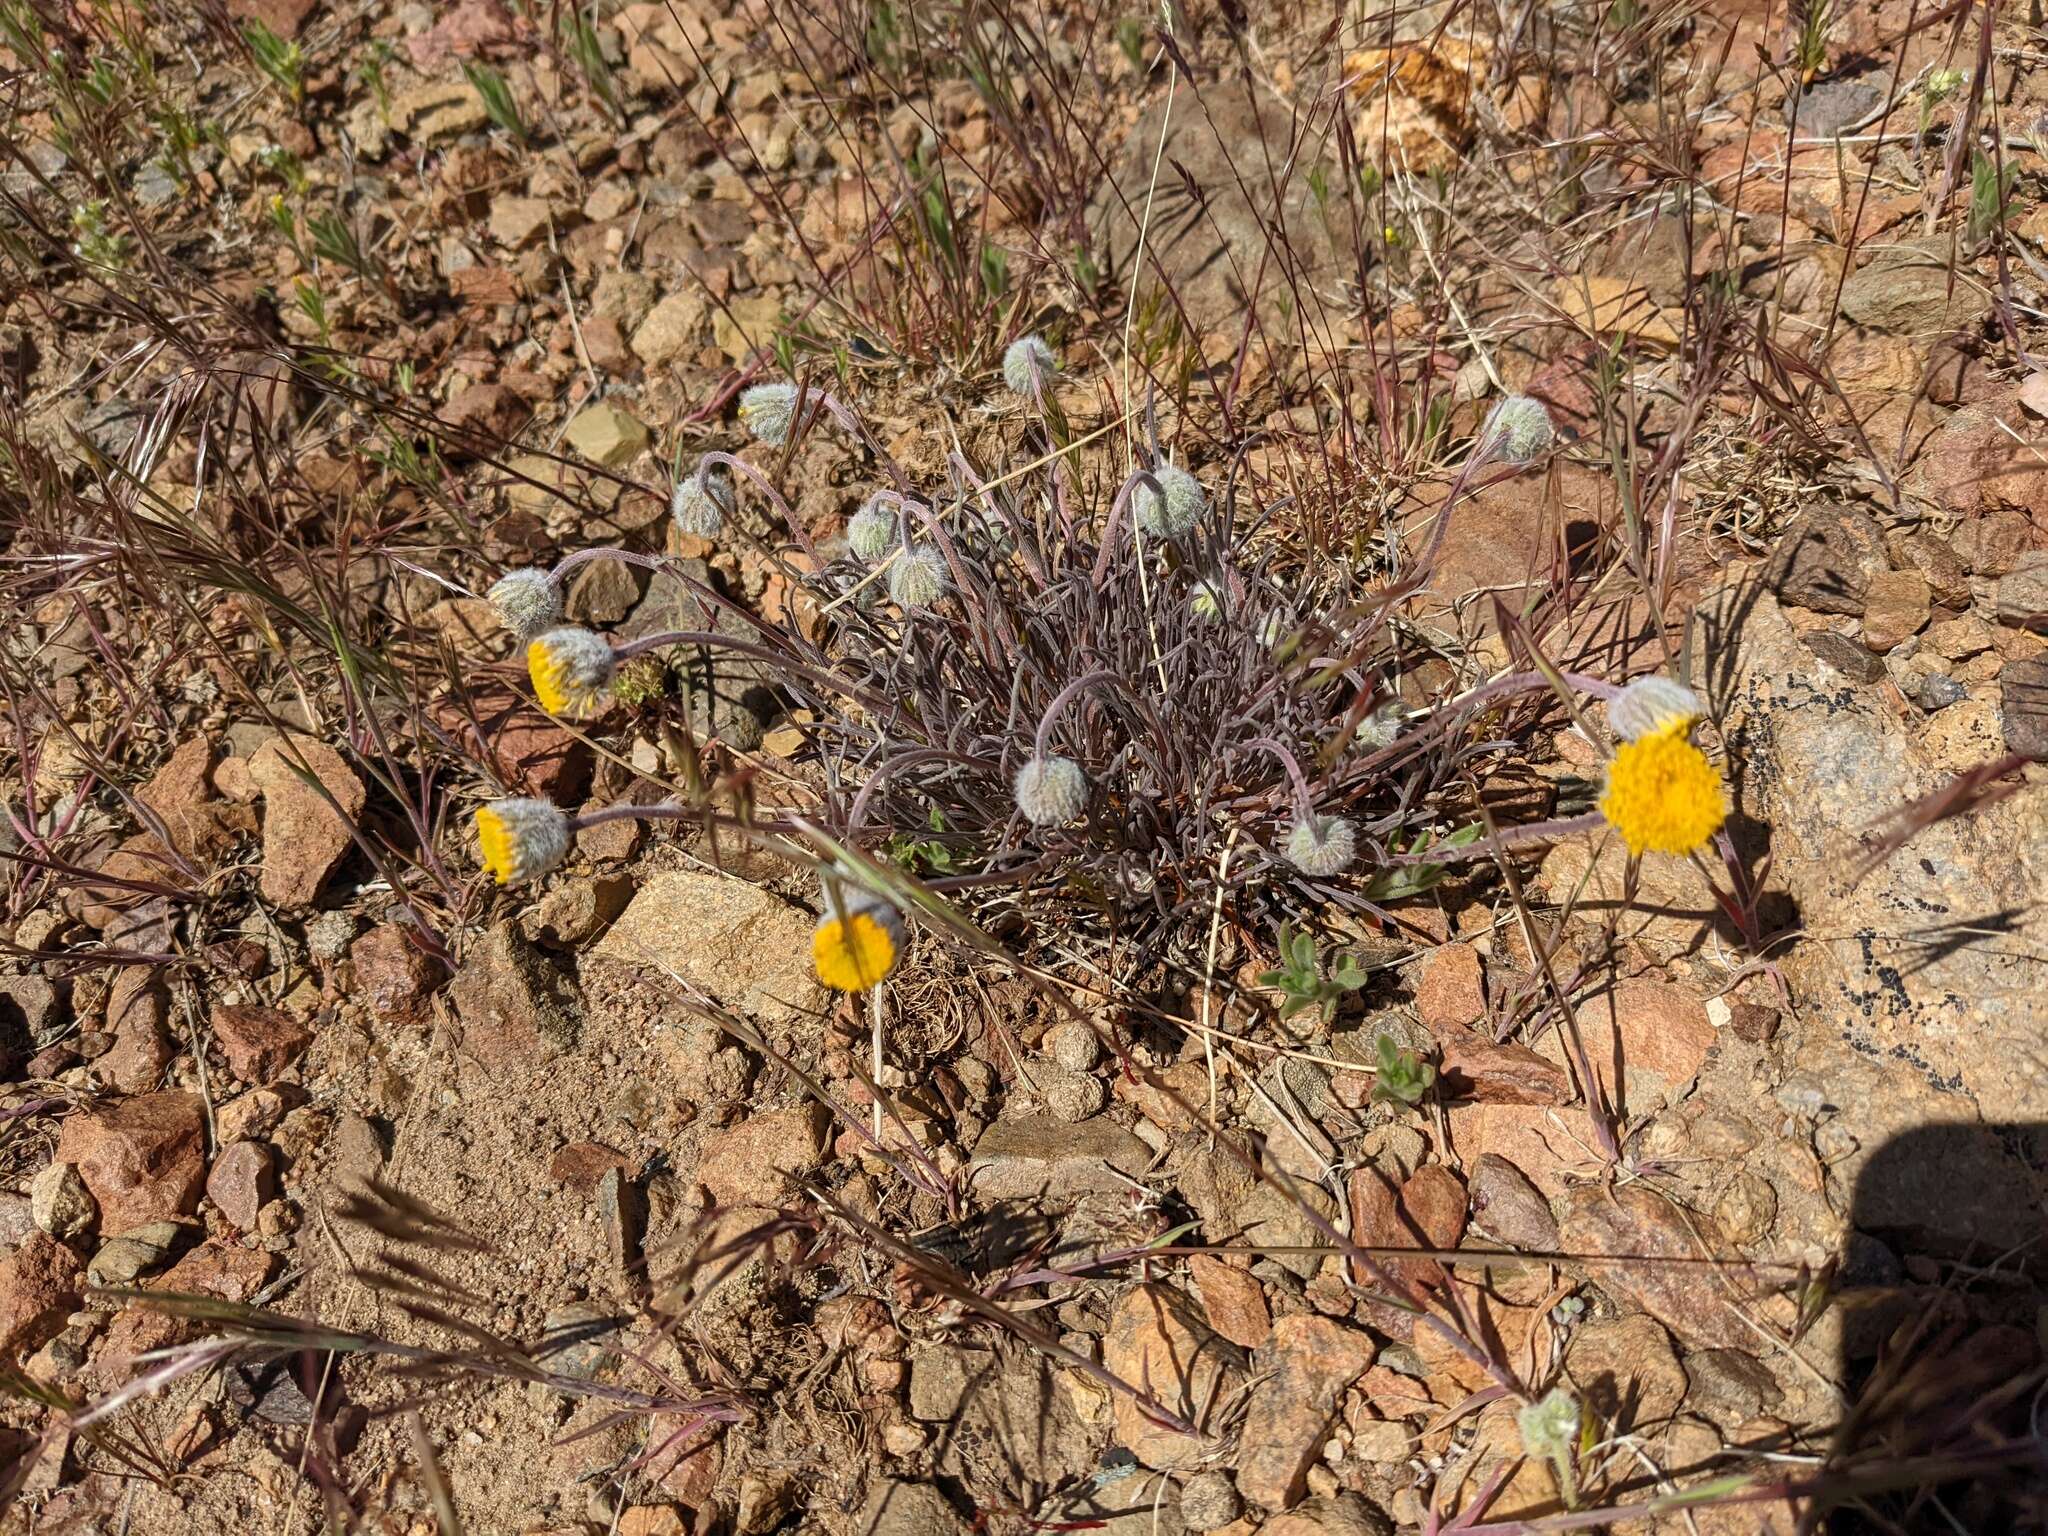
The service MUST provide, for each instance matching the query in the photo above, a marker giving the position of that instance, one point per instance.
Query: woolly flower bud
(1028, 366)
(1051, 791)
(918, 578)
(1517, 429)
(526, 602)
(1549, 1426)
(1651, 705)
(1381, 728)
(571, 670)
(1321, 845)
(766, 411)
(702, 502)
(1207, 601)
(521, 839)
(1174, 515)
(857, 944)
(871, 532)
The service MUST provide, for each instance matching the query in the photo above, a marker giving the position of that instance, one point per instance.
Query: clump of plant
(1400, 1075)
(1074, 690)
(1301, 981)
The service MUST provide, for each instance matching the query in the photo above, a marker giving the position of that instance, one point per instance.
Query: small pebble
(1072, 1045)
(1938, 690)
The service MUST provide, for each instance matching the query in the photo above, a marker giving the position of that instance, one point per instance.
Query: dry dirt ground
(340, 1188)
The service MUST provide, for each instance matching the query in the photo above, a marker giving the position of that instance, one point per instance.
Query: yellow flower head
(521, 839)
(1662, 794)
(856, 947)
(571, 670)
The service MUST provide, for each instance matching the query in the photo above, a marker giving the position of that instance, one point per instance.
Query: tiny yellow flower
(571, 670)
(521, 839)
(1662, 794)
(858, 948)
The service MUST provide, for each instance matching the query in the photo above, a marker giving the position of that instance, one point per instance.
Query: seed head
(1028, 366)
(1051, 791)
(1662, 794)
(1321, 845)
(1176, 514)
(857, 943)
(871, 532)
(702, 502)
(521, 839)
(918, 578)
(1650, 705)
(766, 411)
(572, 671)
(1517, 429)
(526, 602)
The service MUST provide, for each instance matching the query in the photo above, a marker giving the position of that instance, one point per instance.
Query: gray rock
(1507, 1205)
(1342, 1514)
(1823, 110)
(1843, 654)
(35, 1006)
(1073, 1045)
(1728, 1386)
(2022, 598)
(1209, 1501)
(1268, 1219)
(1066, 1094)
(329, 935)
(907, 1509)
(1910, 1015)
(121, 1259)
(517, 1010)
(579, 1340)
(356, 1152)
(1038, 1155)
(59, 1202)
(1826, 559)
(1938, 690)
(1907, 289)
(2023, 707)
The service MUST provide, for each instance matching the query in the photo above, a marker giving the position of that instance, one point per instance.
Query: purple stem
(767, 488)
(1060, 701)
(1140, 477)
(1302, 800)
(623, 556)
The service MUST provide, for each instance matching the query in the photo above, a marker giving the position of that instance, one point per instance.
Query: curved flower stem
(1140, 477)
(1145, 478)
(851, 424)
(1060, 700)
(1303, 802)
(766, 487)
(858, 814)
(569, 563)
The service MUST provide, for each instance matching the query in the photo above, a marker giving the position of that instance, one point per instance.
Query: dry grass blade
(1966, 794)
(446, 1521)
